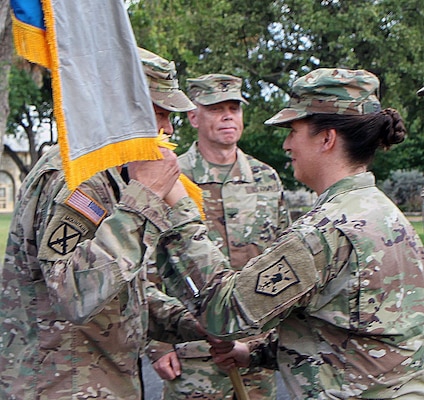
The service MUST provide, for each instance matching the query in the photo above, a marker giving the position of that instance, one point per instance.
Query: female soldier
(345, 283)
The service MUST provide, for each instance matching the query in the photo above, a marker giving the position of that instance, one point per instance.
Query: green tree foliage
(404, 188)
(31, 105)
(270, 43)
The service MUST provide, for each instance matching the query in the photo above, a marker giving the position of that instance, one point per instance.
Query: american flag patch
(85, 205)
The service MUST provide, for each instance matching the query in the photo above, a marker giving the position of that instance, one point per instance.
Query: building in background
(10, 180)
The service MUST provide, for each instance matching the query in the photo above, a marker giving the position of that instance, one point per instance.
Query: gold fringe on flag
(82, 168)
(30, 42)
(40, 46)
(85, 166)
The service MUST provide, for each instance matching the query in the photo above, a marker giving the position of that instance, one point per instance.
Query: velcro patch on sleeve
(85, 205)
(276, 280)
(66, 228)
(64, 231)
(64, 239)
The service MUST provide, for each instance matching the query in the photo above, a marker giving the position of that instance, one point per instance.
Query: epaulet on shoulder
(50, 160)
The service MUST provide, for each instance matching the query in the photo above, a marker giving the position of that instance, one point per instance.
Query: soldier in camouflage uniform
(245, 213)
(345, 283)
(74, 302)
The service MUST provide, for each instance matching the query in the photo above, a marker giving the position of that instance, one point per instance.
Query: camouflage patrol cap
(330, 91)
(163, 83)
(215, 88)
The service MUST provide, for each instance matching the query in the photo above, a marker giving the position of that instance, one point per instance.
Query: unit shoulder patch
(64, 239)
(276, 278)
(274, 281)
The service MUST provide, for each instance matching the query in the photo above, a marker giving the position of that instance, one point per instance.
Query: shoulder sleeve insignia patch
(276, 280)
(278, 277)
(64, 239)
(86, 206)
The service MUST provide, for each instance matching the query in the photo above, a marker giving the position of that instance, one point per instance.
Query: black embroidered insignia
(64, 239)
(276, 278)
(225, 86)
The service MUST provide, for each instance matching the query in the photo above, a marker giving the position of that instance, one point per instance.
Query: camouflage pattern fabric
(215, 88)
(206, 381)
(344, 285)
(73, 305)
(163, 82)
(245, 207)
(330, 91)
(245, 212)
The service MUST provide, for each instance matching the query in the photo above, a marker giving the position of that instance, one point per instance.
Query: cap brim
(421, 92)
(285, 116)
(174, 101)
(207, 100)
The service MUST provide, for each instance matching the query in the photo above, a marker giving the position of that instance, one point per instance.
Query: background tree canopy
(271, 43)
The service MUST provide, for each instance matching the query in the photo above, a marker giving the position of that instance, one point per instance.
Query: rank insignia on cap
(64, 239)
(225, 86)
(86, 206)
(276, 278)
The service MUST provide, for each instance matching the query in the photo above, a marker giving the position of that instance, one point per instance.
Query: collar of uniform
(240, 172)
(358, 181)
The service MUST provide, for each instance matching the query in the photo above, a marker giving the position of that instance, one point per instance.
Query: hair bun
(395, 131)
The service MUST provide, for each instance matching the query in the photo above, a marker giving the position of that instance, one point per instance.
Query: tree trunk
(14, 156)
(6, 49)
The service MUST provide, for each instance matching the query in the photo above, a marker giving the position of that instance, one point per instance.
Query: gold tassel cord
(192, 189)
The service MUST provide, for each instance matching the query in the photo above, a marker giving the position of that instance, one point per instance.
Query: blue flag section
(101, 98)
(28, 12)
(29, 31)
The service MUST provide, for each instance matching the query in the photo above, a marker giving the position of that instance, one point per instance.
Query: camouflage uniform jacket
(247, 205)
(344, 285)
(245, 212)
(73, 301)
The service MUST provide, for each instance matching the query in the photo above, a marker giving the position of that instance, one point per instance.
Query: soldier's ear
(192, 117)
(328, 138)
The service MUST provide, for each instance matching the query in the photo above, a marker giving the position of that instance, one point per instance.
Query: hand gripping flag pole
(192, 189)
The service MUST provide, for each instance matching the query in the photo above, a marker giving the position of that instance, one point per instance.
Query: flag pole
(239, 388)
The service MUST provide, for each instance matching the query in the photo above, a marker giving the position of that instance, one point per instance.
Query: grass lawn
(419, 227)
(5, 222)
(4, 229)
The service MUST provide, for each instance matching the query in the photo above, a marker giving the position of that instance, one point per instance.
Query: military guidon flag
(101, 98)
